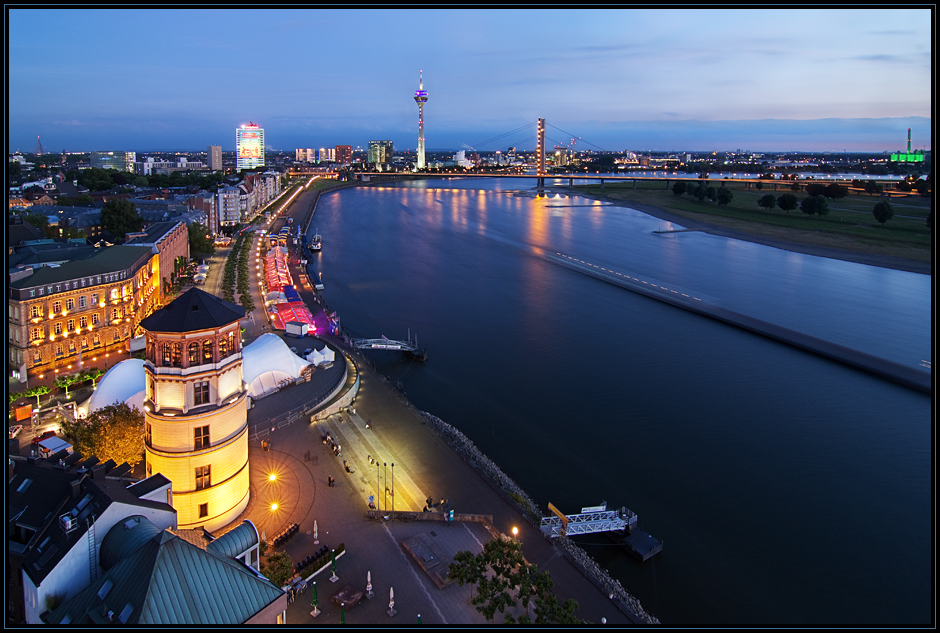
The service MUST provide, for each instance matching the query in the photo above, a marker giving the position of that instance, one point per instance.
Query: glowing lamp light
(272, 477)
(273, 507)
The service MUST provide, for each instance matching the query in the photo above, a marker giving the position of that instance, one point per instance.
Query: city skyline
(673, 79)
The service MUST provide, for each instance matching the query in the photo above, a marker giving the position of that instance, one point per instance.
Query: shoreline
(816, 250)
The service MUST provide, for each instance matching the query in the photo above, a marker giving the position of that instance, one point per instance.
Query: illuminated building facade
(249, 147)
(122, 161)
(380, 152)
(196, 408)
(60, 315)
(344, 154)
(421, 97)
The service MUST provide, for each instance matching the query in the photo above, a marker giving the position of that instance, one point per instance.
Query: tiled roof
(193, 310)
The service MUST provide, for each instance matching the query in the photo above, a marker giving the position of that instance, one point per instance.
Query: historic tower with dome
(196, 408)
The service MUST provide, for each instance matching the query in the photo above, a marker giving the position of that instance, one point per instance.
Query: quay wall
(879, 367)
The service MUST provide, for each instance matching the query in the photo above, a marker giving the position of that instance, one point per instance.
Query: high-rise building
(380, 152)
(249, 147)
(421, 97)
(344, 154)
(215, 157)
(122, 161)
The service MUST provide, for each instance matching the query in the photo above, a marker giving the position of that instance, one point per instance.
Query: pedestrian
(307, 455)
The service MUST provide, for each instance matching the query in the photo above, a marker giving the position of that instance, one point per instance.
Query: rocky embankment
(516, 495)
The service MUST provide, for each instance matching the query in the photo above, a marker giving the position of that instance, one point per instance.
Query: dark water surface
(786, 488)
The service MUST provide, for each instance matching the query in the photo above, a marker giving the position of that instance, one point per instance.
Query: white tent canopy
(318, 357)
(268, 361)
(122, 383)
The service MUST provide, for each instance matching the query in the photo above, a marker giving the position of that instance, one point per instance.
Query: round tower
(196, 407)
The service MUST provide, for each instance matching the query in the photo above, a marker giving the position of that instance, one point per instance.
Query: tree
(64, 381)
(768, 202)
(679, 188)
(700, 192)
(815, 205)
(93, 375)
(759, 185)
(199, 240)
(36, 392)
(883, 212)
(113, 432)
(788, 202)
(120, 217)
(872, 187)
(725, 196)
(500, 570)
(277, 568)
(836, 191)
(816, 189)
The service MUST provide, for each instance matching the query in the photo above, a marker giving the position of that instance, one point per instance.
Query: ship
(315, 243)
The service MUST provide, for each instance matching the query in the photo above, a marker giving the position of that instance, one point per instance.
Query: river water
(786, 488)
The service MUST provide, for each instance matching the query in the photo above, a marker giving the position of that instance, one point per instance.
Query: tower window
(202, 437)
(203, 510)
(203, 479)
(201, 393)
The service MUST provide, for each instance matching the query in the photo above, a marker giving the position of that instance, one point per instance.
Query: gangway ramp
(589, 521)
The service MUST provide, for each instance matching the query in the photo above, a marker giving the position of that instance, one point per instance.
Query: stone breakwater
(516, 495)
(614, 590)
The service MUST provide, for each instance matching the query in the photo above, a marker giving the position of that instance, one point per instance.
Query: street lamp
(393, 486)
(385, 496)
(515, 532)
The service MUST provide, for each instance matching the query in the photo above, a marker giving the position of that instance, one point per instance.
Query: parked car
(307, 352)
(15, 430)
(44, 436)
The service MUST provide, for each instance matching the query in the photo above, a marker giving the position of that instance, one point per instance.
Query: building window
(203, 480)
(114, 314)
(35, 312)
(71, 347)
(207, 351)
(56, 307)
(223, 348)
(94, 299)
(94, 319)
(37, 357)
(83, 322)
(166, 353)
(81, 301)
(193, 353)
(84, 342)
(97, 341)
(202, 435)
(148, 434)
(115, 336)
(35, 334)
(201, 393)
(57, 328)
(58, 350)
(70, 304)
(203, 510)
(70, 326)
(177, 355)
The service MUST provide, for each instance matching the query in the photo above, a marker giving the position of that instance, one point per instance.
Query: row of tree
(62, 381)
(818, 205)
(700, 191)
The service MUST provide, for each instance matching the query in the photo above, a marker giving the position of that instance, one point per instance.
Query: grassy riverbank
(848, 232)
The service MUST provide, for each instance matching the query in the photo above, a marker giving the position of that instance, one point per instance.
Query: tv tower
(421, 97)
(39, 146)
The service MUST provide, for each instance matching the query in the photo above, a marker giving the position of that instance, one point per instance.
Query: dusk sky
(664, 79)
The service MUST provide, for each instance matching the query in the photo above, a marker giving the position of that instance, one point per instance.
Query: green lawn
(849, 224)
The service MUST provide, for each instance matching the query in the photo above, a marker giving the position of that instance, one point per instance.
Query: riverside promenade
(380, 428)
